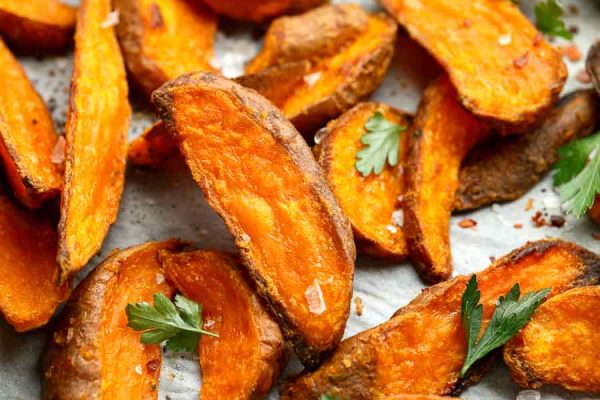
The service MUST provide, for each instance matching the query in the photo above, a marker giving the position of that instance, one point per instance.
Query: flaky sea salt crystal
(138, 369)
(398, 218)
(393, 230)
(311, 79)
(58, 152)
(529, 395)
(111, 19)
(320, 135)
(209, 323)
(160, 278)
(245, 237)
(505, 40)
(314, 298)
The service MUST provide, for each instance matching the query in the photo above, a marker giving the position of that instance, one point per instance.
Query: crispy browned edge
(593, 65)
(284, 133)
(72, 369)
(506, 168)
(322, 152)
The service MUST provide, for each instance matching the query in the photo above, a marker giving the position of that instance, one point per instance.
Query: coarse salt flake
(138, 369)
(392, 229)
(111, 19)
(314, 298)
(58, 152)
(398, 218)
(245, 237)
(505, 40)
(209, 323)
(160, 278)
(311, 79)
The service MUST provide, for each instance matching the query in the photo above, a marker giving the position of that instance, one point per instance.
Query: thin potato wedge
(162, 39)
(421, 349)
(97, 126)
(27, 136)
(560, 345)
(245, 360)
(260, 10)
(29, 294)
(260, 177)
(593, 65)
(441, 136)
(368, 202)
(40, 25)
(503, 69)
(93, 354)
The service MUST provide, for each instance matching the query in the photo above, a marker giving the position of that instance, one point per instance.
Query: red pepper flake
(583, 76)
(467, 223)
(537, 39)
(538, 219)
(492, 258)
(571, 52)
(596, 236)
(521, 62)
(156, 18)
(573, 9)
(529, 205)
(518, 226)
(557, 221)
(152, 366)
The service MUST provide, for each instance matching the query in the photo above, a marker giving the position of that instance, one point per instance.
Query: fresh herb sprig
(329, 397)
(382, 142)
(510, 315)
(548, 19)
(179, 324)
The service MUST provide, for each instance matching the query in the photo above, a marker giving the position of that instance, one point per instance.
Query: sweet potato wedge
(260, 177)
(29, 294)
(162, 39)
(506, 168)
(421, 349)
(560, 345)
(368, 202)
(594, 212)
(503, 69)
(37, 25)
(260, 10)
(96, 150)
(441, 136)
(249, 341)
(152, 147)
(593, 65)
(27, 136)
(92, 354)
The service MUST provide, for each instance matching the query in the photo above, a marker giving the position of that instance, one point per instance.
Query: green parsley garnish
(382, 142)
(548, 19)
(510, 315)
(179, 324)
(577, 175)
(329, 397)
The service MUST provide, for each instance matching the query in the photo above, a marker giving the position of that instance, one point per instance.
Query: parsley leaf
(382, 142)
(573, 157)
(510, 315)
(179, 324)
(548, 21)
(329, 397)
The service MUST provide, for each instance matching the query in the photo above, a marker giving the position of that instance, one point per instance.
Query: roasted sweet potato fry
(259, 175)
(441, 136)
(27, 136)
(93, 354)
(249, 341)
(421, 349)
(503, 69)
(561, 344)
(29, 294)
(162, 39)
(40, 25)
(260, 10)
(152, 147)
(369, 202)
(97, 126)
(506, 168)
(593, 65)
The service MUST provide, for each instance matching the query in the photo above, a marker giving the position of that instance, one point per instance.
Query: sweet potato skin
(27, 136)
(249, 339)
(37, 25)
(28, 267)
(162, 39)
(439, 139)
(96, 137)
(560, 345)
(422, 347)
(92, 354)
(368, 202)
(260, 11)
(593, 65)
(505, 169)
(594, 212)
(492, 79)
(267, 216)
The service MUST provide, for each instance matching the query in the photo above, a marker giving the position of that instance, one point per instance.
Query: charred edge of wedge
(593, 65)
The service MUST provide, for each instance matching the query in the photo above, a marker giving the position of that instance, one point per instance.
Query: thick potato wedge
(505, 169)
(97, 126)
(560, 345)
(259, 175)
(503, 69)
(92, 354)
(249, 341)
(29, 294)
(260, 10)
(39, 25)
(593, 64)
(421, 349)
(441, 136)
(369, 203)
(27, 136)
(162, 39)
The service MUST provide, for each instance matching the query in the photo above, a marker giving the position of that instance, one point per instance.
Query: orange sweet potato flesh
(162, 39)
(92, 354)
(421, 349)
(96, 150)
(245, 360)
(441, 136)
(40, 25)
(152, 147)
(27, 136)
(369, 202)
(260, 10)
(29, 294)
(259, 175)
(560, 345)
(502, 67)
